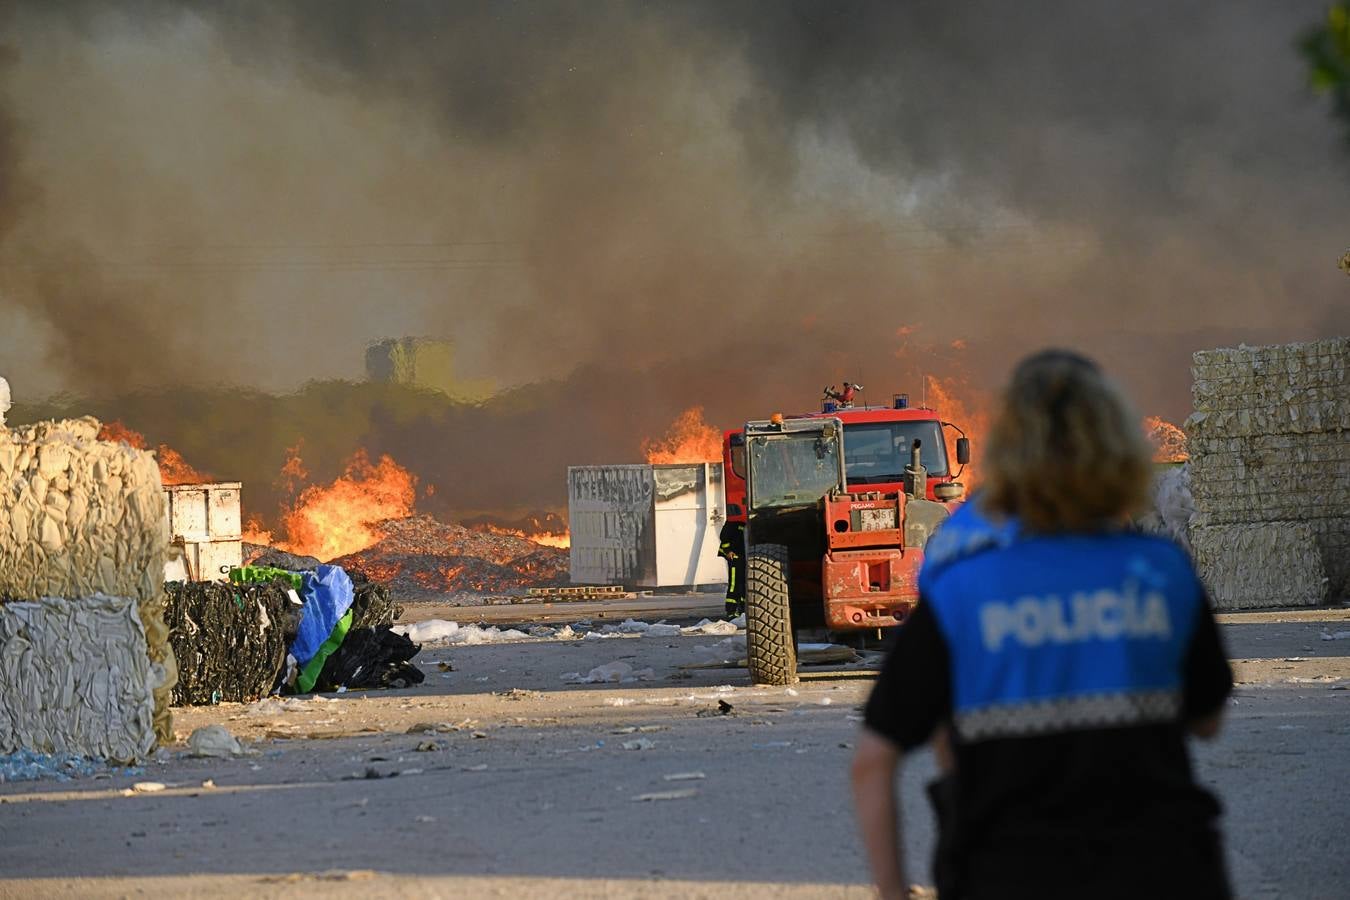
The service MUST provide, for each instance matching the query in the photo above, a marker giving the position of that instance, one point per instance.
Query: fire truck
(837, 507)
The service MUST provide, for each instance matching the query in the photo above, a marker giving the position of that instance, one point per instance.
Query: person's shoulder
(966, 534)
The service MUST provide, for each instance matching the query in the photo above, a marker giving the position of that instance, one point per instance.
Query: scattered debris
(430, 746)
(25, 765)
(214, 741)
(620, 672)
(707, 626)
(148, 787)
(681, 794)
(439, 631)
(209, 784)
(1336, 636)
(723, 709)
(518, 694)
(639, 744)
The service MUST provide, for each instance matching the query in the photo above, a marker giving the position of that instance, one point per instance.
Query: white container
(646, 526)
(204, 520)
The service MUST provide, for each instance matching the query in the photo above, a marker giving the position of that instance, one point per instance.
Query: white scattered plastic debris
(566, 633)
(439, 631)
(627, 626)
(620, 672)
(214, 741)
(707, 626)
(639, 744)
(685, 776)
(791, 692)
(271, 706)
(619, 701)
(728, 649)
(681, 794)
(543, 631)
(825, 701)
(1335, 636)
(739, 621)
(661, 629)
(148, 787)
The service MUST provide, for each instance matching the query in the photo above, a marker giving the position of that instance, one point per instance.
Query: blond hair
(1067, 451)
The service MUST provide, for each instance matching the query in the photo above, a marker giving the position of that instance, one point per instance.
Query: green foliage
(1326, 48)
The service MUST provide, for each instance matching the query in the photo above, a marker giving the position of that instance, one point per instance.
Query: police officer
(732, 549)
(1058, 660)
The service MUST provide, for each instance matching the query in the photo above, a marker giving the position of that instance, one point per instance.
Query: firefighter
(732, 549)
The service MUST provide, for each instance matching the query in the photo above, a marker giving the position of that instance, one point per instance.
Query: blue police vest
(1049, 633)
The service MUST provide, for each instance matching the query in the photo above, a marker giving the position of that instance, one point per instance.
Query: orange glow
(967, 407)
(689, 440)
(328, 521)
(1169, 441)
(544, 538)
(173, 469)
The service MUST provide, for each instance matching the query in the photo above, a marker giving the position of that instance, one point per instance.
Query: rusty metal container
(204, 521)
(646, 526)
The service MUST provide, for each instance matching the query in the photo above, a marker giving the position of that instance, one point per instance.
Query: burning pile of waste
(419, 556)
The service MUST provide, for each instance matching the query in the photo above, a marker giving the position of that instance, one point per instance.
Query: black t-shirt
(1074, 812)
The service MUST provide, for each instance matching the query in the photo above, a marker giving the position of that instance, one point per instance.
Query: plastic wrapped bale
(80, 517)
(1249, 566)
(1172, 507)
(75, 677)
(229, 639)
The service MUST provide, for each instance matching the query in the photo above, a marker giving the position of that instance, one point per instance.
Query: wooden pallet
(569, 595)
(592, 591)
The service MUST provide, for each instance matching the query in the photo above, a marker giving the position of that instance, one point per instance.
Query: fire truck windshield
(876, 452)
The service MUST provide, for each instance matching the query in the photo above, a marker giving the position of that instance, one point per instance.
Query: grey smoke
(641, 206)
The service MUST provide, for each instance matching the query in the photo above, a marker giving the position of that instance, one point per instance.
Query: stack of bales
(1270, 473)
(85, 662)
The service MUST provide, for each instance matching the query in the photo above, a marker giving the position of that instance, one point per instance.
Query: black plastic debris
(371, 658)
(229, 639)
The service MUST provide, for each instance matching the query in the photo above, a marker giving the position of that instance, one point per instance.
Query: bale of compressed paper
(78, 517)
(75, 677)
(229, 639)
(1270, 443)
(1268, 564)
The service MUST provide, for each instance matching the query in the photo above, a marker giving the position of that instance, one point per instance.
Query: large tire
(770, 651)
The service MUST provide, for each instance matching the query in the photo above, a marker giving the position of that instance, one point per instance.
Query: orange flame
(1169, 441)
(689, 440)
(173, 469)
(967, 407)
(328, 521)
(562, 540)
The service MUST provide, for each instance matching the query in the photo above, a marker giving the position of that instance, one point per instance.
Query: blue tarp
(327, 593)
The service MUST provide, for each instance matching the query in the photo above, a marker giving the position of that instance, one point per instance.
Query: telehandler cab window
(792, 469)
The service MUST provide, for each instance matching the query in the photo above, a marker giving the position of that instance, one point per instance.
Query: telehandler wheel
(770, 650)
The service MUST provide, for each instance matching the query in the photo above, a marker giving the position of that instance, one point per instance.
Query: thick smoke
(617, 210)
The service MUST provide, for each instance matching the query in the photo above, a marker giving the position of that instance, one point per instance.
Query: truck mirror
(962, 451)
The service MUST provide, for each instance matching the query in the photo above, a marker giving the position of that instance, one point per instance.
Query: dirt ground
(497, 778)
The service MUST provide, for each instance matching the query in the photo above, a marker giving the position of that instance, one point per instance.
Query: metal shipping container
(646, 526)
(204, 520)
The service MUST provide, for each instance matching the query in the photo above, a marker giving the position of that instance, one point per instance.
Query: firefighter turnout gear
(732, 549)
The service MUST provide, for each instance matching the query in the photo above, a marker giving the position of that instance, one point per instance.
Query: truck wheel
(770, 651)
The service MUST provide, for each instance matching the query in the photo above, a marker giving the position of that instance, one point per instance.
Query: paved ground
(518, 784)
